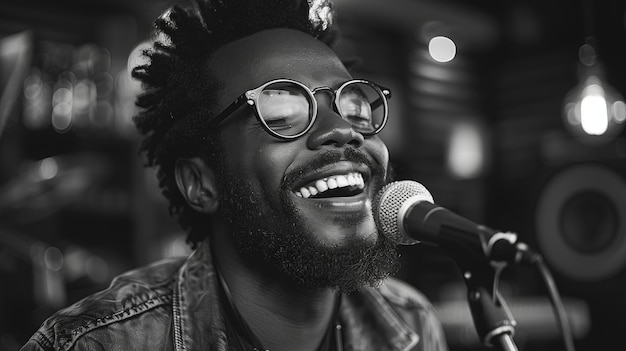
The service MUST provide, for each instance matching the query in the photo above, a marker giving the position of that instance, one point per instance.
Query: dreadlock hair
(175, 105)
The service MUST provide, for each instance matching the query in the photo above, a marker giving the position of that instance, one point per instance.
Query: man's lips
(346, 184)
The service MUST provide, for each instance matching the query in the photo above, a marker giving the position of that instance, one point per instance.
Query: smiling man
(267, 149)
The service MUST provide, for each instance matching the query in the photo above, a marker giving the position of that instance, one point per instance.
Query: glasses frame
(251, 97)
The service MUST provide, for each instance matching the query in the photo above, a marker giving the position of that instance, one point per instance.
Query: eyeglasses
(287, 108)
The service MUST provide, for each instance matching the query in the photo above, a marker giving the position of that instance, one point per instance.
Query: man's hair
(178, 97)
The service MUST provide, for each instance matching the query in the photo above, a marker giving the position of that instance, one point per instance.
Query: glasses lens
(286, 108)
(362, 105)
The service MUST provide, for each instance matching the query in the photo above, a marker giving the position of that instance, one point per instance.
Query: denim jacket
(174, 305)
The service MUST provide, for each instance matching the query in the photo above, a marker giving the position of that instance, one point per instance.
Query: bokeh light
(442, 49)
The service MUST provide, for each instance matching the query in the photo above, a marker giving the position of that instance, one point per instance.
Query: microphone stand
(493, 320)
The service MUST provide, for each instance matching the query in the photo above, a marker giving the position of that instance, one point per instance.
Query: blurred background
(510, 112)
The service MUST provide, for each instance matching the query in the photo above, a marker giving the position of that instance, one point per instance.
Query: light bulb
(594, 110)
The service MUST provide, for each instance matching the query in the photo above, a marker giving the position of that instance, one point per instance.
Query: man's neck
(283, 316)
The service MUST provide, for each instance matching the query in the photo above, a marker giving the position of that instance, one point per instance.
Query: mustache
(333, 156)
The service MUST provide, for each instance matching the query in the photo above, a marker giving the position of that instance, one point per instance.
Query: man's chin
(319, 248)
(354, 264)
(299, 257)
(306, 244)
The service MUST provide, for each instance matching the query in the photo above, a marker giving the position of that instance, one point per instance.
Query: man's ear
(196, 182)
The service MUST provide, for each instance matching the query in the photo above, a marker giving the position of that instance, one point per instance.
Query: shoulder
(133, 293)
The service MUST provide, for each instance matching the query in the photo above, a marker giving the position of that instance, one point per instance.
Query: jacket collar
(368, 321)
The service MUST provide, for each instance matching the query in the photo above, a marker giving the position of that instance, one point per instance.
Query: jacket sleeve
(37, 342)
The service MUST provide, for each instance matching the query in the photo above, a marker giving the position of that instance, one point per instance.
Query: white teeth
(333, 182)
(342, 181)
(359, 180)
(351, 180)
(305, 192)
(321, 185)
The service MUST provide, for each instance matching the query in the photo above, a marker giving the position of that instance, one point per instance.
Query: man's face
(316, 240)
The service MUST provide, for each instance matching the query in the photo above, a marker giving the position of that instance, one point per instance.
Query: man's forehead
(272, 54)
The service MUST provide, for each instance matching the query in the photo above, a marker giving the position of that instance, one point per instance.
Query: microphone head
(390, 205)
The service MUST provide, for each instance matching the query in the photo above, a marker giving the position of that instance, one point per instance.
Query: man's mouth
(340, 185)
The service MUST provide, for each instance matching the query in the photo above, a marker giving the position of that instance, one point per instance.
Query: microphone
(405, 213)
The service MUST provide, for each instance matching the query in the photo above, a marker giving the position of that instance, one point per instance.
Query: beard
(270, 234)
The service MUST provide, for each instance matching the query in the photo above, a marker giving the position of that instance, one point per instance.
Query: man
(267, 151)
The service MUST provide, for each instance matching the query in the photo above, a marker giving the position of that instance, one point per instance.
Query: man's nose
(330, 129)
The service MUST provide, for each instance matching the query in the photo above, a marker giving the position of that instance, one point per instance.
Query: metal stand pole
(494, 324)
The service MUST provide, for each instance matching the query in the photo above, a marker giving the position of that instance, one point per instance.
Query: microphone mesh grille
(388, 203)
